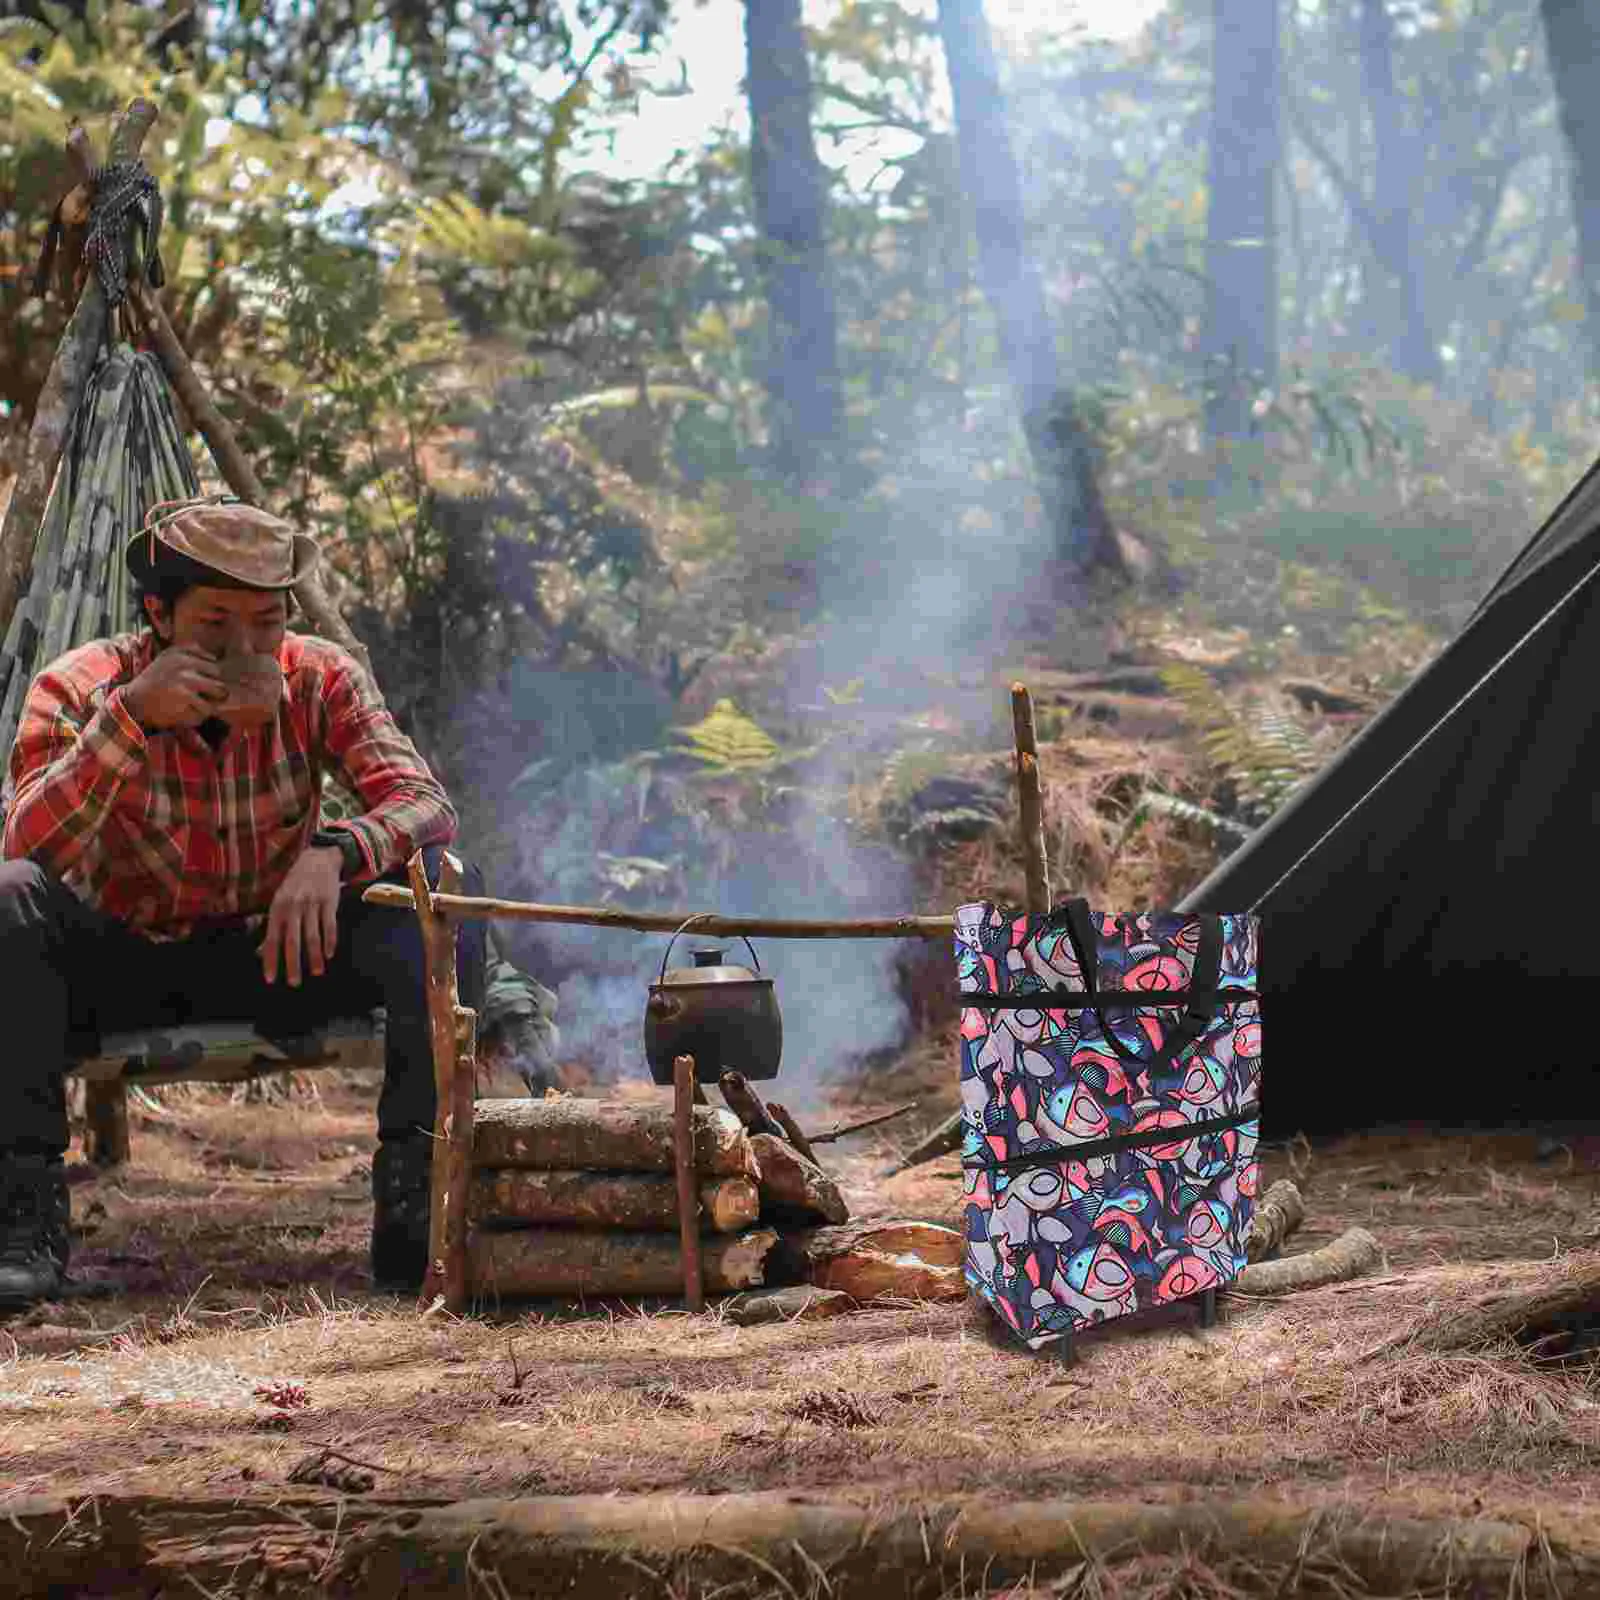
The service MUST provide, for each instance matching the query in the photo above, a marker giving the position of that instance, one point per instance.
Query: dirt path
(242, 1338)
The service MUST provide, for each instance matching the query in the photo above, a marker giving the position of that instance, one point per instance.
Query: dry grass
(244, 1338)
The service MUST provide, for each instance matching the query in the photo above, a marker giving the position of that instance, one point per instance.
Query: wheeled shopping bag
(1110, 1085)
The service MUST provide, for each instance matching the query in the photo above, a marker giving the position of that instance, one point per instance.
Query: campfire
(567, 1196)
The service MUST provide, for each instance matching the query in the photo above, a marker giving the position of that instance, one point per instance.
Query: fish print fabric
(1108, 1154)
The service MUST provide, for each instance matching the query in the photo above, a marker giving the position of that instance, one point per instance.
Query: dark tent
(1425, 896)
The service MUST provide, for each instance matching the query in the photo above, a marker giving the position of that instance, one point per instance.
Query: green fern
(728, 741)
(1153, 803)
(1262, 753)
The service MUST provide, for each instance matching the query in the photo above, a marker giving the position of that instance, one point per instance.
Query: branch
(1353, 1253)
(232, 461)
(472, 908)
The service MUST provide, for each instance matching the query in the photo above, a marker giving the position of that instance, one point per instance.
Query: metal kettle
(723, 1015)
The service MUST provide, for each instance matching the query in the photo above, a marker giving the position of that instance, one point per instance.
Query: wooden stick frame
(452, 1028)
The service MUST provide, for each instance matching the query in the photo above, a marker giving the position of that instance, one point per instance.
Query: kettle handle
(699, 916)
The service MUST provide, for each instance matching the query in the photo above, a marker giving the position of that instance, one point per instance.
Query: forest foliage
(523, 402)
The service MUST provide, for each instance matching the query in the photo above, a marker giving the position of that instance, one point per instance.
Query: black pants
(70, 974)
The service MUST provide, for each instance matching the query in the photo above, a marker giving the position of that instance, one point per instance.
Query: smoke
(931, 587)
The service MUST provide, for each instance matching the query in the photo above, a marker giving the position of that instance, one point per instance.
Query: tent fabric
(1423, 897)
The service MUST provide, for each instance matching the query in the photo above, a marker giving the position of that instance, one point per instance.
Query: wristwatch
(342, 840)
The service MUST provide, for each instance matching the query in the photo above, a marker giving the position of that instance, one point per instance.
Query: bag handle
(1073, 917)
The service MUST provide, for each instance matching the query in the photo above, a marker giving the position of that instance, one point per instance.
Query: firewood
(567, 1135)
(933, 1243)
(641, 1201)
(874, 1275)
(1278, 1213)
(637, 1547)
(791, 1130)
(748, 1106)
(1354, 1252)
(798, 1303)
(1553, 1312)
(872, 1260)
(586, 1261)
(793, 1187)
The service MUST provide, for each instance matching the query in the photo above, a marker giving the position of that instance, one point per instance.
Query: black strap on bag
(1073, 917)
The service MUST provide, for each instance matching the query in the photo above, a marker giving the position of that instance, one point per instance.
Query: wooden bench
(205, 1052)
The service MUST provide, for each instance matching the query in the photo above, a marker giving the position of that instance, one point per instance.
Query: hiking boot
(35, 1213)
(401, 1178)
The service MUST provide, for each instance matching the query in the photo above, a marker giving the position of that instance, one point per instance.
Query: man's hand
(179, 689)
(304, 917)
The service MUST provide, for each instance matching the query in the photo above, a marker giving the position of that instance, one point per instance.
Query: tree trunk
(1572, 42)
(1397, 177)
(603, 1136)
(578, 1261)
(642, 1201)
(1063, 458)
(1241, 316)
(803, 395)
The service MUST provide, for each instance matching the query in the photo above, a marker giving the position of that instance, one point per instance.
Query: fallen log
(539, 1262)
(1354, 1252)
(1278, 1213)
(748, 1106)
(640, 1201)
(793, 1188)
(578, 1135)
(800, 1302)
(1549, 1316)
(636, 1547)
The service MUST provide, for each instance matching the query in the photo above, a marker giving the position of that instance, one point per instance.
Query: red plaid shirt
(160, 830)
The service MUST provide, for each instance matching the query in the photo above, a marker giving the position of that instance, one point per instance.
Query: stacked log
(575, 1196)
(579, 1197)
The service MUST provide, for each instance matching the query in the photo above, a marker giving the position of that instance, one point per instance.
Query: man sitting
(164, 863)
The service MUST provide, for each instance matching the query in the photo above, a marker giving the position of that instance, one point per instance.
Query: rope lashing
(123, 192)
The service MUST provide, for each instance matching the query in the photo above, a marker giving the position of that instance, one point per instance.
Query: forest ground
(242, 1338)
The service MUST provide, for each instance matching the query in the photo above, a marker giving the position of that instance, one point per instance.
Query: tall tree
(804, 411)
(1241, 316)
(1572, 40)
(1058, 442)
(1397, 191)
